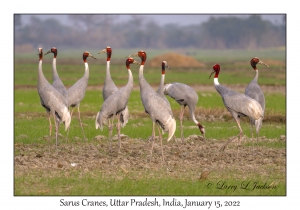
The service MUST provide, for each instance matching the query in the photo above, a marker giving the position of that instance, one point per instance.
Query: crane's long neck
(192, 114)
(161, 85)
(41, 78)
(220, 88)
(130, 81)
(216, 81)
(143, 83)
(108, 76)
(54, 71)
(86, 72)
(256, 75)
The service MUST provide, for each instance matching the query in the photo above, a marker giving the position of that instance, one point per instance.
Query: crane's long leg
(153, 139)
(56, 131)
(110, 128)
(251, 127)
(241, 135)
(160, 136)
(50, 124)
(70, 126)
(80, 123)
(238, 136)
(181, 119)
(118, 129)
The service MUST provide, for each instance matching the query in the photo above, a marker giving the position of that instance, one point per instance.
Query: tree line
(228, 32)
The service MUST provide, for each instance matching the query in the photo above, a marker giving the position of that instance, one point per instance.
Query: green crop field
(88, 168)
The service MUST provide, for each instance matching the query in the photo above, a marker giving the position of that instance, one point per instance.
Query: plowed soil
(182, 160)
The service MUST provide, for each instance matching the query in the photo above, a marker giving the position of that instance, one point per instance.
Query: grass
(31, 118)
(91, 185)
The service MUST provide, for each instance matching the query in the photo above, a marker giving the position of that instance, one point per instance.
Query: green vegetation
(95, 185)
(29, 114)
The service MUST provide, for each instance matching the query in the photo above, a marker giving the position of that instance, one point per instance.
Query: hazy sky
(181, 19)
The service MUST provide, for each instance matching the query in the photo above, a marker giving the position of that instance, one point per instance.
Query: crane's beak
(133, 55)
(103, 51)
(47, 52)
(135, 62)
(211, 74)
(92, 56)
(262, 63)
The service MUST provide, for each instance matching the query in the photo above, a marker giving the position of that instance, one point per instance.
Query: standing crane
(237, 104)
(57, 83)
(109, 88)
(77, 91)
(158, 109)
(115, 105)
(184, 95)
(52, 100)
(254, 91)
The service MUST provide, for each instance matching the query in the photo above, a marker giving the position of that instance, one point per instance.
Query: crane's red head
(108, 52)
(254, 61)
(216, 71)
(52, 50)
(142, 54)
(40, 53)
(87, 54)
(164, 64)
(130, 61)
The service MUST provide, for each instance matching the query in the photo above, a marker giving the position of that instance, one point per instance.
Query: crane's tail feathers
(166, 87)
(98, 125)
(172, 128)
(124, 116)
(258, 124)
(66, 118)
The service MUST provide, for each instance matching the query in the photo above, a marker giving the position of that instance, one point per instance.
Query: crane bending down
(109, 88)
(158, 109)
(57, 83)
(184, 95)
(52, 100)
(237, 104)
(77, 91)
(115, 104)
(254, 91)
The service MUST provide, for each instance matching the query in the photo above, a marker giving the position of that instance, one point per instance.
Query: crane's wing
(182, 93)
(243, 105)
(52, 99)
(254, 91)
(76, 92)
(158, 109)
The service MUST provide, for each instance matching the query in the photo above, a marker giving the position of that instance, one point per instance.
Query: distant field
(235, 67)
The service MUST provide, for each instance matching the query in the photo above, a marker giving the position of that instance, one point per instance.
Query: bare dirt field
(183, 161)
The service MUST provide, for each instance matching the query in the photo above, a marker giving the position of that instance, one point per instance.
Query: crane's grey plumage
(184, 96)
(52, 100)
(254, 91)
(158, 109)
(237, 104)
(115, 104)
(77, 91)
(109, 86)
